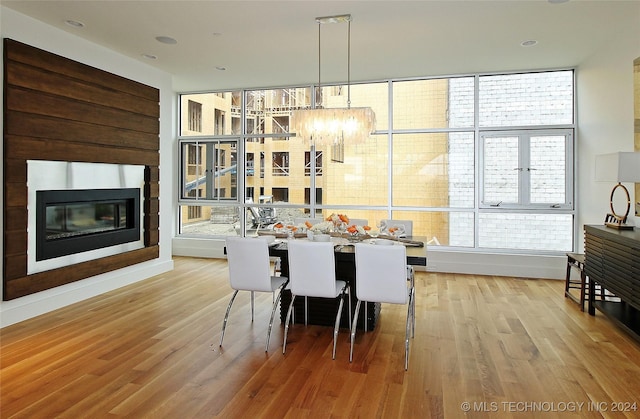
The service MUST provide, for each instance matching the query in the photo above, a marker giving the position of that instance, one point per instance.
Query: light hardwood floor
(508, 347)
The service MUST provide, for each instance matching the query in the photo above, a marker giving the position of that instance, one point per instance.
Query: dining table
(322, 311)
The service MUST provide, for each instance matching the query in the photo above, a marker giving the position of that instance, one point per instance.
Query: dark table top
(416, 255)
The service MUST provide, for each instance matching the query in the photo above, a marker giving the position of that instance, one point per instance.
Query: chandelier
(334, 126)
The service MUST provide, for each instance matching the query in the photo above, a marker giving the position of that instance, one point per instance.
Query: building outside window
(476, 161)
(195, 116)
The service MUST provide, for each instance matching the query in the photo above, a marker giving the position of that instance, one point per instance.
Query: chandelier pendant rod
(349, 65)
(315, 97)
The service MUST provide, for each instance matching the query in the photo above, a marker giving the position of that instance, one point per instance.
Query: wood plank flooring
(485, 347)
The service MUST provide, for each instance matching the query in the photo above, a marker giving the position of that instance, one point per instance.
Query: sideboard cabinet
(612, 260)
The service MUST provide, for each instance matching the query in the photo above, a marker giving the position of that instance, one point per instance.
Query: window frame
(210, 166)
(241, 122)
(524, 176)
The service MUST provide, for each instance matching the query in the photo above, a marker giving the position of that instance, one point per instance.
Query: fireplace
(82, 211)
(79, 220)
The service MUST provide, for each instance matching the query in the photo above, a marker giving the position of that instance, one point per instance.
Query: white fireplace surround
(57, 175)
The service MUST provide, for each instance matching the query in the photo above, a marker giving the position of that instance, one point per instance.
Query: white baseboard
(517, 265)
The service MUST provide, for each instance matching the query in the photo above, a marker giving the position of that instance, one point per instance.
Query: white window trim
(524, 184)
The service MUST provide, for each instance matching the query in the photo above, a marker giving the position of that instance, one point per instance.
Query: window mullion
(524, 179)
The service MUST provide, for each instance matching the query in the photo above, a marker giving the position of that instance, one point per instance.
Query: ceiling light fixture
(150, 56)
(529, 43)
(166, 40)
(334, 126)
(74, 23)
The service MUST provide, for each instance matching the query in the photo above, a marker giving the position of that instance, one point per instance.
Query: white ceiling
(275, 43)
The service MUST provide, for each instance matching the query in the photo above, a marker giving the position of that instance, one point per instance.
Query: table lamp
(618, 167)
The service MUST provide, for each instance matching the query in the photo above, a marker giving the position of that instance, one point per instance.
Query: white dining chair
(250, 270)
(381, 276)
(407, 225)
(312, 274)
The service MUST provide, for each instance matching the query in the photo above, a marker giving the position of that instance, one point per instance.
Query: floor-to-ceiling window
(476, 161)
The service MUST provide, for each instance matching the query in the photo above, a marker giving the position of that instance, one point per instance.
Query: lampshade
(618, 167)
(334, 125)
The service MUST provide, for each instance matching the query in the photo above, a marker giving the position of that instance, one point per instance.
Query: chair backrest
(381, 273)
(358, 221)
(249, 263)
(312, 268)
(407, 224)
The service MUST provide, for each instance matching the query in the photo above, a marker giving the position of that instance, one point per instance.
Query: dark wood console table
(612, 259)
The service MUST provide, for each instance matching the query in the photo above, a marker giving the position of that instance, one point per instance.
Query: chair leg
(286, 323)
(412, 299)
(273, 312)
(412, 295)
(226, 316)
(336, 328)
(366, 317)
(583, 288)
(407, 332)
(567, 279)
(349, 299)
(353, 329)
(252, 301)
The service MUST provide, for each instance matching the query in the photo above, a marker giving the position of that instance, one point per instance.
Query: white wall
(32, 32)
(605, 120)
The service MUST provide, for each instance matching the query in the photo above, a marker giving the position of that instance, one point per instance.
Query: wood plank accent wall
(59, 109)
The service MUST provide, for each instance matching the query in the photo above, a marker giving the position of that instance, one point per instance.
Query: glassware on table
(399, 231)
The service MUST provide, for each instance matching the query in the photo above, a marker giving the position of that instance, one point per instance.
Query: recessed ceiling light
(557, 1)
(166, 40)
(150, 56)
(220, 68)
(74, 23)
(217, 34)
(529, 43)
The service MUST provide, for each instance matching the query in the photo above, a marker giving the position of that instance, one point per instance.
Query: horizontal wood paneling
(44, 81)
(36, 103)
(56, 128)
(62, 110)
(50, 149)
(21, 53)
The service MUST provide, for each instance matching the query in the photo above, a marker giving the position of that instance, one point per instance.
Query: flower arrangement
(338, 218)
(323, 227)
(358, 230)
(289, 229)
(339, 221)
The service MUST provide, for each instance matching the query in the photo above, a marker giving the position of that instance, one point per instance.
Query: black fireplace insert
(78, 220)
